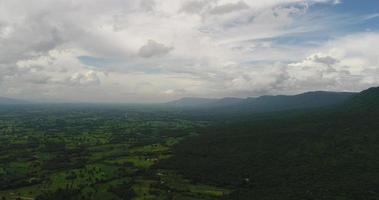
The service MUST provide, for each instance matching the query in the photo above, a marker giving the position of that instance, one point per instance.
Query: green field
(93, 153)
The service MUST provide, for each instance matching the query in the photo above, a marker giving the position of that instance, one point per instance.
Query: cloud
(194, 6)
(371, 16)
(229, 7)
(148, 5)
(323, 59)
(343, 64)
(153, 48)
(87, 79)
(91, 50)
(36, 78)
(174, 92)
(5, 31)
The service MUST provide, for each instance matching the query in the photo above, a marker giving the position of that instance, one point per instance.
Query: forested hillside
(326, 154)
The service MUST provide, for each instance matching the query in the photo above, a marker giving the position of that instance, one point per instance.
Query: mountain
(262, 104)
(323, 154)
(365, 100)
(7, 101)
(225, 102)
(191, 102)
(300, 101)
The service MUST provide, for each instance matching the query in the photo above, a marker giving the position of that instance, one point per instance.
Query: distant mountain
(191, 102)
(263, 103)
(300, 101)
(322, 154)
(367, 99)
(5, 100)
(227, 101)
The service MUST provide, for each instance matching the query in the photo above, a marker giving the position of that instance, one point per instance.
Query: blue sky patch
(96, 62)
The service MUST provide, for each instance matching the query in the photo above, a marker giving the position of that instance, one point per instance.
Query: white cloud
(89, 78)
(348, 63)
(179, 47)
(229, 7)
(148, 5)
(195, 6)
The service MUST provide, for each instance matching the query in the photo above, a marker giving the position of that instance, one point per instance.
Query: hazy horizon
(147, 51)
(60, 101)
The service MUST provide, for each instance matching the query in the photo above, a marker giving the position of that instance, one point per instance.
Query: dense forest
(329, 153)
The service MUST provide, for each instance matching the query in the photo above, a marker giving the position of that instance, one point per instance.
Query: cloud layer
(150, 50)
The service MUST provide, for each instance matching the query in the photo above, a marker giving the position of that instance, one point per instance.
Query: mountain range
(264, 103)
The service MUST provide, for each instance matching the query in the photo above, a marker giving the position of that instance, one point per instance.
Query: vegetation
(92, 152)
(133, 152)
(324, 154)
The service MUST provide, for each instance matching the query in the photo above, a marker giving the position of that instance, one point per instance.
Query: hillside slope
(367, 100)
(321, 155)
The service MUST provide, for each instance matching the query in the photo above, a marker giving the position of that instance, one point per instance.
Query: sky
(159, 50)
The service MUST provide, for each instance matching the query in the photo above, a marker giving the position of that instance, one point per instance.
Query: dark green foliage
(301, 101)
(366, 101)
(60, 194)
(331, 154)
(88, 151)
(123, 190)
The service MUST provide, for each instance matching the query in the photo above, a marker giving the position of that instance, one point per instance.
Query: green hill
(367, 100)
(325, 154)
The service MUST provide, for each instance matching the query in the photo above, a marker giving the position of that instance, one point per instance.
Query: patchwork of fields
(93, 153)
